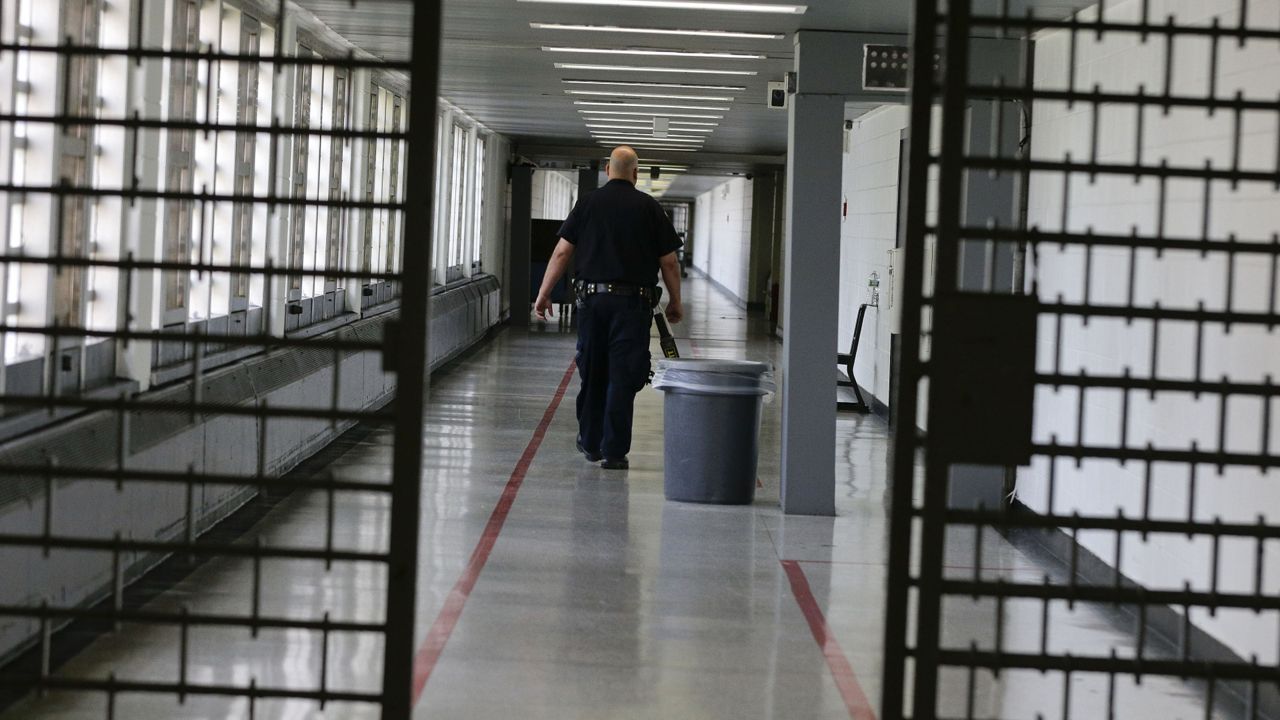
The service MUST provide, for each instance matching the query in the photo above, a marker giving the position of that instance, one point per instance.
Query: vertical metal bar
(902, 461)
(410, 363)
(937, 467)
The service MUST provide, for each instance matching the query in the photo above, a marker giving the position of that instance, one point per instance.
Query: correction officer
(618, 240)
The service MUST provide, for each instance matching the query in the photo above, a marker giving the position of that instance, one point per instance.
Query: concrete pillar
(588, 179)
(988, 199)
(811, 282)
(521, 234)
(762, 240)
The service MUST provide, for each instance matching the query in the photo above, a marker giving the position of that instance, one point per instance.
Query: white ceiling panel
(493, 65)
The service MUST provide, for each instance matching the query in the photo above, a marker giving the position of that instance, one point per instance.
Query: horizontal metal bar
(1030, 23)
(193, 196)
(1125, 169)
(1231, 317)
(1199, 457)
(263, 341)
(54, 682)
(1125, 594)
(197, 126)
(163, 477)
(1204, 669)
(1033, 236)
(1015, 92)
(177, 266)
(145, 53)
(183, 404)
(151, 617)
(1119, 382)
(188, 548)
(997, 518)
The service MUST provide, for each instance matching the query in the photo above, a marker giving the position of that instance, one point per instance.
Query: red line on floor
(447, 620)
(855, 699)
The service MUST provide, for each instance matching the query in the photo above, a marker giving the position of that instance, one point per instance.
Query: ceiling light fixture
(673, 86)
(658, 31)
(689, 125)
(656, 53)
(651, 114)
(773, 8)
(648, 138)
(646, 127)
(651, 146)
(638, 68)
(642, 137)
(649, 105)
(653, 96)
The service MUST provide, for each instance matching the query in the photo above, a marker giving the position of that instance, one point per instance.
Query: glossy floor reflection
(600, 600)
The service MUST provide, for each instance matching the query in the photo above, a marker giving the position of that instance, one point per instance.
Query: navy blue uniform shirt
(619, 233)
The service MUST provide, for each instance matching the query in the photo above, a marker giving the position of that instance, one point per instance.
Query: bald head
(624, 164)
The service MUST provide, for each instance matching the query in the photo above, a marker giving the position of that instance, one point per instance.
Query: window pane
(456, 224)
(477, 223)
(183, 85)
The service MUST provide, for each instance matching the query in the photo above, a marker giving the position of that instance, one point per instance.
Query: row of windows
(197, 175)
(461, 175)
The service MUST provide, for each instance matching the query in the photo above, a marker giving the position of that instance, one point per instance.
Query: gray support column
(988, 200)
(521, 234)
(588, 179)
(762, 240)
(811, 285)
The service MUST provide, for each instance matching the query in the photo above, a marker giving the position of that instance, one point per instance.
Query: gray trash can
(712, 427)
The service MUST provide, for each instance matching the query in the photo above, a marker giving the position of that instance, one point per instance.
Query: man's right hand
(675, 312)
(543, 308)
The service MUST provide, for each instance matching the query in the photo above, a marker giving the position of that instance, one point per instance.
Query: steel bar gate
(201, 282)
(1103, 357)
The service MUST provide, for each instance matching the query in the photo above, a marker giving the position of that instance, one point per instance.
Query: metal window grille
(1106, 349)
(74, 508)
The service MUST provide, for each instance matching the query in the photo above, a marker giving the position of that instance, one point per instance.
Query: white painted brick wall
(867, 234)
(722, 243)
(1118, 205)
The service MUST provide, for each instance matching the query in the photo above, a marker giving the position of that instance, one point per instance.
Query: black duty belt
(587, 289)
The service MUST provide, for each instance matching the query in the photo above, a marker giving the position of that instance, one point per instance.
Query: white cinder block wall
(554, 194)
(867, 234)
(722, 235)
(1186, 137)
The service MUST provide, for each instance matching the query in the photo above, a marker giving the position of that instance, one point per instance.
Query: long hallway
(550, 588)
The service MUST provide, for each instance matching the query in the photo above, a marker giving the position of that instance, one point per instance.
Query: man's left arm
(556, 268)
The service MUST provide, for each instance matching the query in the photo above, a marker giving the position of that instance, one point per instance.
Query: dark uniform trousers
(613, 361)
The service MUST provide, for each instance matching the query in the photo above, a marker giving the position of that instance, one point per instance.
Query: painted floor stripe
(447, 620)
(855, 699)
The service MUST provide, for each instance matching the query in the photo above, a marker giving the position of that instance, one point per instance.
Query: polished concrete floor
(590, 596)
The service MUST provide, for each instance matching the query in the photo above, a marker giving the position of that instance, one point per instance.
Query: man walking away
(618, 239)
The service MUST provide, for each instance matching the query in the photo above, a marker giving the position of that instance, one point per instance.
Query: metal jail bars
(1133, 156)
(205, 208)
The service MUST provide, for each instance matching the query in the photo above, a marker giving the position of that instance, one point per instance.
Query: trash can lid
(706, 365)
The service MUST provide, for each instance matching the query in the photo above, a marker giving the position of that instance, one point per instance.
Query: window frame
(183, 92)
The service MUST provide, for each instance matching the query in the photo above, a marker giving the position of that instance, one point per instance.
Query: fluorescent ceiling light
(649, 105)
(648, 121)
(689, 5)
(647, 127)
(638, 68)
(658, 31)
(650, 114)
(674, 86)
(639, 137)
(648, 138)
(655, 96)
(652, 146)
(656, 52)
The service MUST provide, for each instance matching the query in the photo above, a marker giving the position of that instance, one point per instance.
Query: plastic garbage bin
(712, 427)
